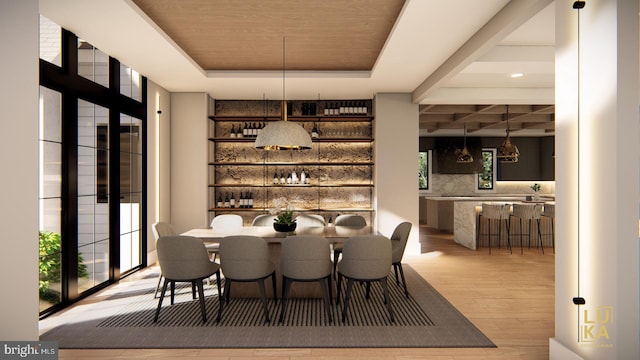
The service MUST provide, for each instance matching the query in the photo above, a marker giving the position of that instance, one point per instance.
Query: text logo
(46, 350)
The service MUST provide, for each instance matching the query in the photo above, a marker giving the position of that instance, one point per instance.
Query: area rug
(123, 318)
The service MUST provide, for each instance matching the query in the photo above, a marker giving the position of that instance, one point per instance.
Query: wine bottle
(251, 200)
(289, 179)
(239, 131)
(254, 130)
(350, 109)
(303, 177)
(294, 177)
(314, 132)
(233, 131)
(232, 201)
(341, 109)
(307, 178)
(326, 109)
(283, 180)
(226, 200)
(276, 179)
(241, 201)
(220, 203)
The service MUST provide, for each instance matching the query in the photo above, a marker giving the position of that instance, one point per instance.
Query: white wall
(158, 162)
(396, 165)
(597, 192)
(19, 181)
(189, 129)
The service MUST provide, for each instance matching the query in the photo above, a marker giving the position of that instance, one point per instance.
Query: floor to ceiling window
(92, 161)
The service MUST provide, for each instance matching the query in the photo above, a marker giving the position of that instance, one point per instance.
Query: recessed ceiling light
(517, 75)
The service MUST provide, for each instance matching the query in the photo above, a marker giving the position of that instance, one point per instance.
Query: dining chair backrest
(184, 258)
(350, 220)
(310, 220)
(162, 228)
(305, 257)
(399, 241)
(263, 220)
(245, 257)
(366, 257)
(527, 211)
(227, 222)
(495, 211)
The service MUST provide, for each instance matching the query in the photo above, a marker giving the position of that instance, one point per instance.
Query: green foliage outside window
(49, 266)
(485, 179)
(423, 170)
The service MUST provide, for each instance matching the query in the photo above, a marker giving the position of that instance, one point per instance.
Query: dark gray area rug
(123, 318)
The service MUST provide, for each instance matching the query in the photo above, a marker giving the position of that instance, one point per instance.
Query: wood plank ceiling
(248, 35)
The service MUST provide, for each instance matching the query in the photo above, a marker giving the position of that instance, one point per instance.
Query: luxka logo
(594, 327)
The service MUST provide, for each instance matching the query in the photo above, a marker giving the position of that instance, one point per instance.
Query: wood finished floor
(510, 298)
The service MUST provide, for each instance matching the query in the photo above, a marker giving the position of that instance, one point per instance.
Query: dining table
(333, 234)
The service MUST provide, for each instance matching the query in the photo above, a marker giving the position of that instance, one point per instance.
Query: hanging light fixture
(283, 134)
(508, 152)
(464, 156)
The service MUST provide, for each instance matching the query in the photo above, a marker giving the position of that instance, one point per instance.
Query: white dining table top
(334, 234)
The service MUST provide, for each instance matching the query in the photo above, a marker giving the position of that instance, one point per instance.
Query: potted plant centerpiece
(284, 221)
(535, 187)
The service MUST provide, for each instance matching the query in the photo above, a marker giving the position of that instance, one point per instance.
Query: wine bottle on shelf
(294, 177)
(350, 109)
(232, 201)
(314, 132)
(307, 178)
(220, 204)
(238, 133)
(303, 177)
(283, 180)
(251, 200)
(326, 109)
(226, 200)
(233, 131)
(241, 201)
(289, 179)
(245, 130)
(254, 130)
(276, 179)
(341, 109)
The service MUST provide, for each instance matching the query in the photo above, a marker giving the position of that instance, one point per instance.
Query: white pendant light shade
(283, 135)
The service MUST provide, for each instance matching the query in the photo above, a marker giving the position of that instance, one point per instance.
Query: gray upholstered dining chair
(185, 259)
(310, 220)
(306, 258)
(159, 229)
(365, 258)
(398, 244)
(263, 220)
(345, 220)
(245, 258)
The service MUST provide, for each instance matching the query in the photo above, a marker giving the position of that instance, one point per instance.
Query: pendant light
(464, 156)
(508, 152)
(283, 134)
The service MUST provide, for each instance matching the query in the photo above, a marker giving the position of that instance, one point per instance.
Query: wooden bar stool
(528, 213)
(549, 212)
(493, 213)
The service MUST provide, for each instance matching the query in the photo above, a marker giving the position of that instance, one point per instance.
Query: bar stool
(499, 213)
(528, 212)
(549, 212)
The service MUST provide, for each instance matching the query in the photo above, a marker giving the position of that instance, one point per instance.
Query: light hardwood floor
(510, 298)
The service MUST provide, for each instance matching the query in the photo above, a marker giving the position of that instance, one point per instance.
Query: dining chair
(306, 258)
(310, 220)
(399, 239)
(365, 258)
(528, 213)
(345, 220)
(494, 213)
(245, 258)
(185, 259)
(160, 229)
(263, 220)
(226, 224)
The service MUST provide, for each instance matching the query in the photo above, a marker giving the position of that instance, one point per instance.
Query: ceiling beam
(509, 18)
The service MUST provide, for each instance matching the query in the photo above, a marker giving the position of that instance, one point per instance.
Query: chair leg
(286, 286)
(273, 283)
(347, 296)
(404, 282)
(193, 289)
(158, 286)
(173, 291)
(338, 286)
(263, 296)
(201, 296)
(489, 234)
(227, 289)
(395, 270)
(508, 225)
(220, 302)
(367, 294)
(325, 284)
(336, 256)
(540, 236)
(164, 289)
(385, 289)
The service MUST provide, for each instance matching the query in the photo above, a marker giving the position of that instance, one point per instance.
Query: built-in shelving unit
(339, 164)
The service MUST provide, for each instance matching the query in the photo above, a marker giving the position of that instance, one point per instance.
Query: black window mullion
(143, 216)
(114, 171)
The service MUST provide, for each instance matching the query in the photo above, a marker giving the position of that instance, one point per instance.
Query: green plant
(283, 216)
(535, 187)
(50, 265)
